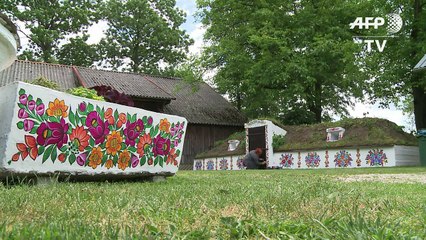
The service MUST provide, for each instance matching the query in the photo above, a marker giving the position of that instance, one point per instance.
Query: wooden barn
(210, 116)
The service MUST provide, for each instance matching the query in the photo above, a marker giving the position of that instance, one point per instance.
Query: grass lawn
(274, 204)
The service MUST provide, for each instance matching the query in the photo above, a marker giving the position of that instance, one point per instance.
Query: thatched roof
(360, 132)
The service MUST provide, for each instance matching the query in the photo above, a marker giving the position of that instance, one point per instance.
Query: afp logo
(393, 23)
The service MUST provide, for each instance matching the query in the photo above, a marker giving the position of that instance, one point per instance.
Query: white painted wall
(220, 163)
(271, 130)
(395, 155)
(8, 47)
(10, 135)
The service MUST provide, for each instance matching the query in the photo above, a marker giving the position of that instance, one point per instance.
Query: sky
(196, 31)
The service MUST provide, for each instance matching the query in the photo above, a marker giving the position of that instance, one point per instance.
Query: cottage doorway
(257, 139)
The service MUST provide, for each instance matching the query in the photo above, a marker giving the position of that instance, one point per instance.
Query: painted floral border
(92, 136)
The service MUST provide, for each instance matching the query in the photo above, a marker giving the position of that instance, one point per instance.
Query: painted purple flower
(173, 130)
(53, 133)
(176, 143)
(135, 161)
(40, 109)
(132, 131)
(22, 113)
(150, 120)
(82, 107)
(161, 146)
(97, 128)
(23, 99)
(28, 125)
(81, 159)
(31, 105)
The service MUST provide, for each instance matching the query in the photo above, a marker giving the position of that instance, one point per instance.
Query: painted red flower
(144, 143)
(80, 137)
(97, 127)
(171, 158)
(29, 148)
(53, 133)
(132, 131)
(161, 146)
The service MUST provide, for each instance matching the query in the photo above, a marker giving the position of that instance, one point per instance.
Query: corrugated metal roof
(421, 65)
(26, 70)
(204, 106)
(132, 84)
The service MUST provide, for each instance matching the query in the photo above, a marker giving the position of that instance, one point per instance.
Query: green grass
(284, 204)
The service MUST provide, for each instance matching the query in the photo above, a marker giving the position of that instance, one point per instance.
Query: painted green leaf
(104, 159)
(47, 153)
(102, 113)
(72, 117)
(123, 146)
(34, 130)
(132, 149)
(53, 119)
(20, 125)
(72, 159)
(143, 160)
(115, 159)
(129, 117)
(90, 107)
(63, 148)
(91, 142)
(21, 105)
(161, 161)
(134, 118)
(41, 150)
(30, 98)
(39, 101)
(83, 120)
(156, 160)
(21, 91)
(54, 154)
(116, 114)
(145, 120)
(98, 109)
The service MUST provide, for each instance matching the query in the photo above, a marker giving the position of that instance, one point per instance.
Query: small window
(335, 134)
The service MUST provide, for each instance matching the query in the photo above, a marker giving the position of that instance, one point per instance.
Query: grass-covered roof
(360, 132)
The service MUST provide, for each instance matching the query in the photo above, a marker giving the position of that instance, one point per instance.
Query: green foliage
(280, 204)
(86, 93)
(50, 21)
(277, 58)
(44, 82)
(78, 53)
(145, 31)
(277, 141)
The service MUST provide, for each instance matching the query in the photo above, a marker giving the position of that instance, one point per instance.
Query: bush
(86, 93)
(114, 96)
(277, 141)
(44, 82)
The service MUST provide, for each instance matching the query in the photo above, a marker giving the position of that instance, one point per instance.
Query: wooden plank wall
(200, 138)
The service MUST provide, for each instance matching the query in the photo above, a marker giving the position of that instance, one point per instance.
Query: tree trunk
(419, 96)
(418, 89)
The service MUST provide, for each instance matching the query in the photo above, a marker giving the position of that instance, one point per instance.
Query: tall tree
(144, 35)
(392, 68)
(50, 22)
(278, 58)
(78, 52)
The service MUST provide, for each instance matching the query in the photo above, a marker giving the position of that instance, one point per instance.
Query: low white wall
(219, 163)
(45, 131)
(332, 158)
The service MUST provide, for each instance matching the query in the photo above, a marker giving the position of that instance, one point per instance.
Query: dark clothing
(252, 161)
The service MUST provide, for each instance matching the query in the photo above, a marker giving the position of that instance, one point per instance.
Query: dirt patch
(386, 178)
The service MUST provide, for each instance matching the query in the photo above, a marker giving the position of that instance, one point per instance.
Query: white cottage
(365, 142)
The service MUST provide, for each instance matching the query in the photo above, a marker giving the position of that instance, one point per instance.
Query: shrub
(85, 92)
(277, 141)
(44, 82)
(114, 96)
